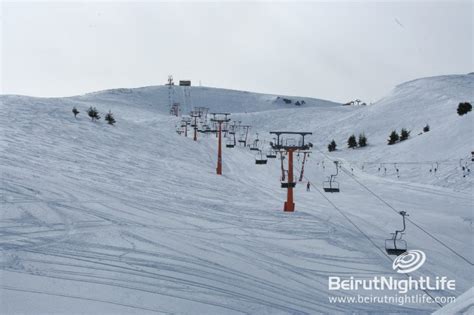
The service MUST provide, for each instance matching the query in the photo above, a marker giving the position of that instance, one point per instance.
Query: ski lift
(290, 142)
(331, 185)
(242, 138)
(284, 174)
(395, 245)
(230, 143)
(254, 146)
(285, 184)
(305, 157)
(205, 128)
(271, 154)
(260, 160)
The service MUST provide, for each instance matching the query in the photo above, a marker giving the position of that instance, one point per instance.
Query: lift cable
(384, 254)
(397, 211)
(409, 220)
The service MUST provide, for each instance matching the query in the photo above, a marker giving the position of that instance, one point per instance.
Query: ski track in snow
(132, 218)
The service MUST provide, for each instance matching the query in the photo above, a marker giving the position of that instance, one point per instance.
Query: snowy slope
(464, 304)
(410, 105)
(155, 98)
(133, 219)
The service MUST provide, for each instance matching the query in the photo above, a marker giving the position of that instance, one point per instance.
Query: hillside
(132, 218)
(410, 105)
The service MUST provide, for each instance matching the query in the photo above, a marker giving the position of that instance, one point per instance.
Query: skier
(308, 186)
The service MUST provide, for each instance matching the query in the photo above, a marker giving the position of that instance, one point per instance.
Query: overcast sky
(332, 50)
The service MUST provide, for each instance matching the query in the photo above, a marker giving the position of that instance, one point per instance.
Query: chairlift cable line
(395, 210)
(410, 220)
(384, 254)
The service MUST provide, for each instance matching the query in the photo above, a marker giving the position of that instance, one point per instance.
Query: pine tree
(109, 117)
(464, 108)
(426, 128)
(362, 140)
(393, 138)
(404, 134)
(75, 111)
(332, 146)
(93, 113)
(352, 142)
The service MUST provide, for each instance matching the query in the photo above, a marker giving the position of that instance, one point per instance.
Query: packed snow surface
(132, 219)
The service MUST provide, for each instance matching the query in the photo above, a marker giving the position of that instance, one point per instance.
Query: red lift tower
(283, 143)
(219, 119)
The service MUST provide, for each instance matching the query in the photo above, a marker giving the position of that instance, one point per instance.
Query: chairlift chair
(230, 143)
(285, 184)
(331, 185)
(241, 138)
(254, 146)
(205, 128)
(271, 154)
(396, 245)
(260, 160)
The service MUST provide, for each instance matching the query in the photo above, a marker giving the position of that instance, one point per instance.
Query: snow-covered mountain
(133, 219)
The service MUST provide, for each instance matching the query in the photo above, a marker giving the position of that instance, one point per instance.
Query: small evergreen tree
(93, 113)
(75, 111)
(426, 128)
(332, 146)
(352, 142)
(362, 140)
(393, 138)
(404, 134)
(464, 108)
(109, 117)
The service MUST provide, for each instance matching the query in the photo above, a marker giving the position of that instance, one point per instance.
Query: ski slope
(132, 219)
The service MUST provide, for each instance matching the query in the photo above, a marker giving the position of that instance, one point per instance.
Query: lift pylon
(283, 143)
(185, 121)
(195, 114)
(219, 119)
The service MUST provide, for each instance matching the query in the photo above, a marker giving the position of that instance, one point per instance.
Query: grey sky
(332, 50)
